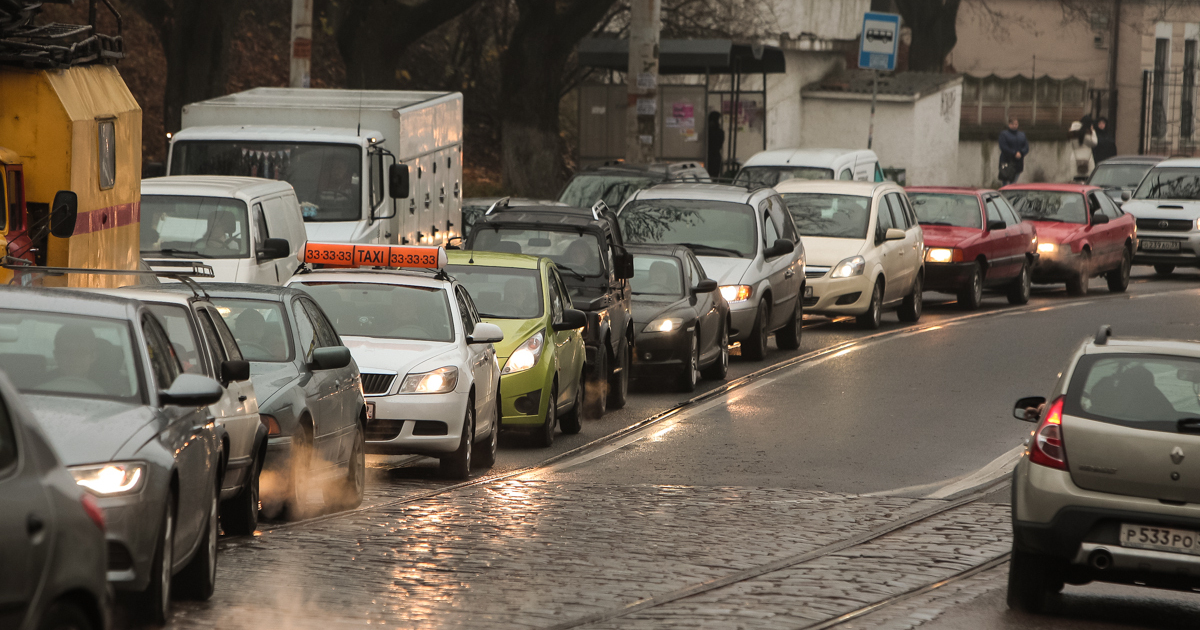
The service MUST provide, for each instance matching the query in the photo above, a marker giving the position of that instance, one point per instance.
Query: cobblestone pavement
(529, 554)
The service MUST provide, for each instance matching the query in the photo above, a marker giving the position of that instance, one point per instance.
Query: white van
(767, 168)
(247, 229)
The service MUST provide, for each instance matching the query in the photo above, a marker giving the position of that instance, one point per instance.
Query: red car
(1081, 234)
(974, 239)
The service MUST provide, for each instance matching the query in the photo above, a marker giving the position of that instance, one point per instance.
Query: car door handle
(789, 273)
(34, 524)
(242, 398)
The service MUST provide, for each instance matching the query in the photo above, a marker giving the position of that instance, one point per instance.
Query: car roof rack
(1103, 334)
(198, 270)
(599, 208)
(500, 203)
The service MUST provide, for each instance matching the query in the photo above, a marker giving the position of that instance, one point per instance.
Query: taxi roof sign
(352, 255)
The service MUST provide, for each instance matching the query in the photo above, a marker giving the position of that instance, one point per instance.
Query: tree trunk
(934, 32)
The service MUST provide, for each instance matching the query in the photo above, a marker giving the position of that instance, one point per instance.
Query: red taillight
(93, 510)
(270, 423)
(1048, 448)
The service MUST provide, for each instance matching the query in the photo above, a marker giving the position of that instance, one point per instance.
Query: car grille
(383, 430)
(1166, 225)
(119, 558)
(376, 384)
(815, 272)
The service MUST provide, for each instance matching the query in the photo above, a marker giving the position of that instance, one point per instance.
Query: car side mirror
(233, 371)
(486, 333)
(996, 225)
(274, 249)
(1029, 408)
(330, 358)
(191, 390)
(398, 186)
(63, 213)
(1126, 195)
(893, 234)
(1099, 219)
(624, 263)
(778, 248)
(571, 320)
(707, 285)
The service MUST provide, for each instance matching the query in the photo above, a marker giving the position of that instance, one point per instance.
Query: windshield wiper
(936, 223)
(570, 271)
(732, 253)
(170, 251)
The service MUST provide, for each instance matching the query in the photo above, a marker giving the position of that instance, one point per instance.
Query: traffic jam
(299, 380)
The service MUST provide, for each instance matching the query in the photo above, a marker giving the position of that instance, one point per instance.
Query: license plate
(1159, 246)
(370, 411)
(1160, 539)
(808, 291)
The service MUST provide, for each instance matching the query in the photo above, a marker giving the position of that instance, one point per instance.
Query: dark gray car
(100, 375)
(51, 532)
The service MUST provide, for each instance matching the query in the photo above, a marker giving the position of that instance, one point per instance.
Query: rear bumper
(947, 277)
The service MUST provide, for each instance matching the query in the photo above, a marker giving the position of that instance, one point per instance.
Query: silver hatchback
(1107, 490)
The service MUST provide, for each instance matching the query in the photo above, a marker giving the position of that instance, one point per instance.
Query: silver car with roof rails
(748, 243)
(1107, 490)
(1167, 208)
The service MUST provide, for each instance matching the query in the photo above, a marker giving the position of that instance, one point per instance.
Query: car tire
(65, 615)
(485, 457)
(348, 491)
(1020, 289)
(1078, 286)
(1118, 279)
(720, 367)
(239, 515)
(155, 601)
(618, 382)
(595, 392)
(788, 337)
(874, 315)
(544, 438)
(572, 421)
(198, 579)
(1033, 581)
(457, 465)
(755, 348)
(1164, 270)
(914, 302)
(689, 372)
(295, 503)
(970, 296)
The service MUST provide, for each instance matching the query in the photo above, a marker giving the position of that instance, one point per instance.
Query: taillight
(269, 422)
(93, 510)
(1048, 448)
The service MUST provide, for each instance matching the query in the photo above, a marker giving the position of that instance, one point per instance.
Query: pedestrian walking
(716, 140)
(1083, 139)
(1106, 145)
(1013, 149)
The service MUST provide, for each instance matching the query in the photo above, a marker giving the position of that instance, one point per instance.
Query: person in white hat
(1083, 138)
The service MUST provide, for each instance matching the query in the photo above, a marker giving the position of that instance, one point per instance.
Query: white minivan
(247, 229)
(767, 168)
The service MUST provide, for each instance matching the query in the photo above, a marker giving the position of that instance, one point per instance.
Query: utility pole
(645, 25)
(302, 11)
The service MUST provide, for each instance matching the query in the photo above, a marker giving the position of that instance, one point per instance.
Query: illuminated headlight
(438, 381)
(108, 480)
(1047, 248)
(665, 324)
(1197, 224)
(943, 255)
(525, 356)
(850, 267)
(735, 293)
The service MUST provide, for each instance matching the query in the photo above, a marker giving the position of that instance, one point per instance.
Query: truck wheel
(595, 388)
(971, 293)
(618, 382)
(1033, 581)
(755, 348)
(788, 337)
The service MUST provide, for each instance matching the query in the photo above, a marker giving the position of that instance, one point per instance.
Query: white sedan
(429, 371)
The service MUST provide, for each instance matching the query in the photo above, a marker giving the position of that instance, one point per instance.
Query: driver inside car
(75, 353)
(258, 341)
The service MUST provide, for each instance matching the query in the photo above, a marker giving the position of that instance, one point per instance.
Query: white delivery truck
(369, 166)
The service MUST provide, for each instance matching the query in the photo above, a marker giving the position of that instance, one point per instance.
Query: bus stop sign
(879, 41)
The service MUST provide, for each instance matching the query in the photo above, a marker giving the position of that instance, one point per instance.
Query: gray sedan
(101, 377)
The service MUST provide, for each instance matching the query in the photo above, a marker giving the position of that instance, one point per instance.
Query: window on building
(1158, 113)
(1187, 109)
(108, 154)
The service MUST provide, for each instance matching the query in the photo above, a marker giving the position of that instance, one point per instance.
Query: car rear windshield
(577, 253)
(1170, 183)
(831, 216)
(194, 227)
(386, 311)
(69, 355)
(1118, 175)
(258, 327)
(657, 275)
(1148, 391)
(1048, 205)
(710, 228)
(501, 292)
(614, 188)
(946, 209)
(771, 175)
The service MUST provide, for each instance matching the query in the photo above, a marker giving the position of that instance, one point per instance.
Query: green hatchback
(542, 355)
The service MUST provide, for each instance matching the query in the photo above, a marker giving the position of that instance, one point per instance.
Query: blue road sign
(879, 41)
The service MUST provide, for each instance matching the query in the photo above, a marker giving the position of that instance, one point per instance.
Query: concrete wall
(785, 114)
(1027, 29)
(979, 163)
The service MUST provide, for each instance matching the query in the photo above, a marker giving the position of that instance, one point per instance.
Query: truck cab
(26, 227)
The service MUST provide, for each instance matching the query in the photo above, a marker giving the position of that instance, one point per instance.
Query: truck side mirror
(274, 249)
(624, 263)
(398, 185)
(63, 213)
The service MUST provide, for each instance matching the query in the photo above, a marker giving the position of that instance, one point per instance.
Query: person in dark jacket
(1106, 145)
(1013, 149)
(716, 141)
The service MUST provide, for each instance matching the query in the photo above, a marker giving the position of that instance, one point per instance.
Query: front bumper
(742, 316)
(653, 350)
(131, 532)
(524, 395)
(416, 424)
(839, 296)
(947, 277)
(1188, 254)
(1057, 266)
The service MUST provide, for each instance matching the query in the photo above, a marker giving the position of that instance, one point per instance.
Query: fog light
(647, 356)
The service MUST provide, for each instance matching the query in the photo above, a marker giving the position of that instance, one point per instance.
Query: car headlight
(1047, 248)
(943, 254)
(107, 480)
(852, 266)
(526, 355)
(437, 381)
(665, 324)
(735, 293)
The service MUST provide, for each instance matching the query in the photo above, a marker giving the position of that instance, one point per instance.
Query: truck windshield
(710, 228)
(327, 177)
(69, 355)
(771, 175)
(578, 253)
(1170, 183)
(203, 227)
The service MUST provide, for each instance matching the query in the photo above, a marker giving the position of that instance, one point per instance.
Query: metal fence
(1169, 117)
